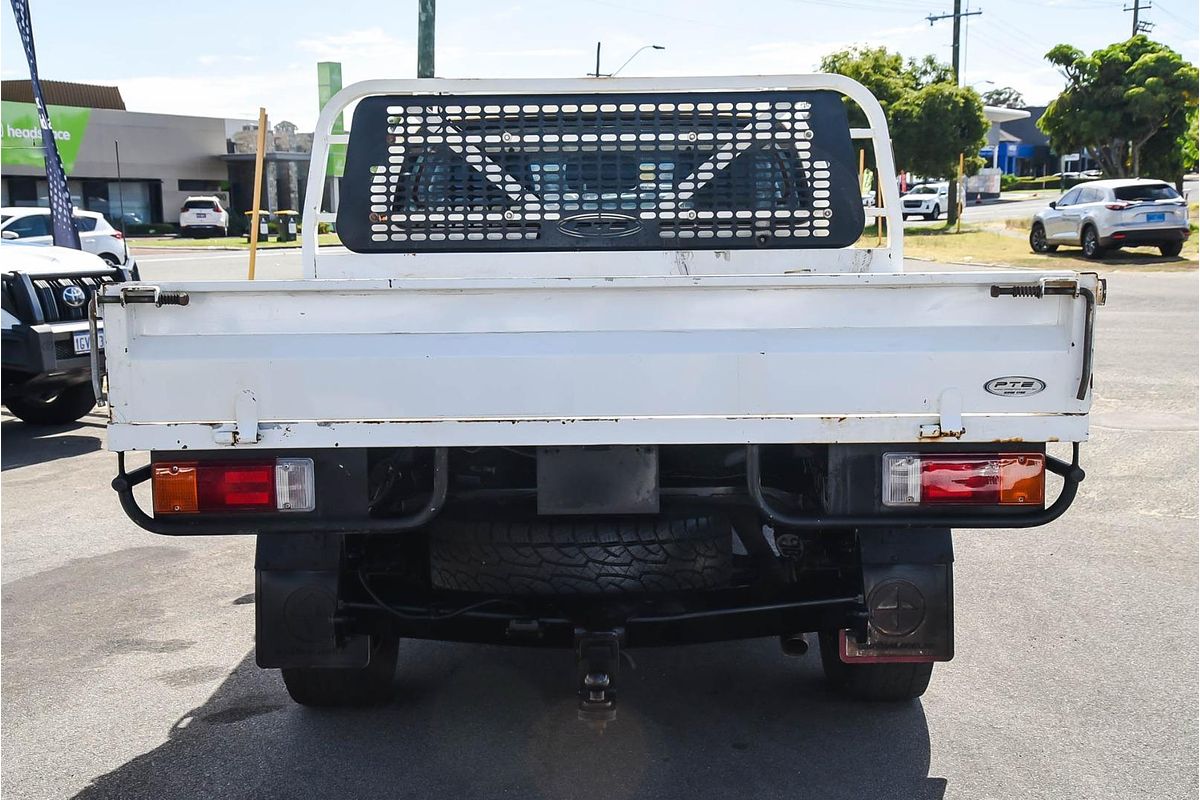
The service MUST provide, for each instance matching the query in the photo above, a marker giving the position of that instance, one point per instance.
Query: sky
(225, 59)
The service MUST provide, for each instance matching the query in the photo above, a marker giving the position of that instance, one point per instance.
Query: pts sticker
(1014, 386)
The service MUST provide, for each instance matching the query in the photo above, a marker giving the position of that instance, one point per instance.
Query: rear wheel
(879, 682)
(1171, 249)
(110, 259)
(1037, 240)
(1091, 243)
(323, 687)
(581, 557)
(53, 407)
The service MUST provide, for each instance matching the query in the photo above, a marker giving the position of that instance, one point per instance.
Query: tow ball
(597, 654)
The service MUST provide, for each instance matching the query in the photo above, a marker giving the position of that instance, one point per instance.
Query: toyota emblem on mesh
(74, 296)
(1014, 386)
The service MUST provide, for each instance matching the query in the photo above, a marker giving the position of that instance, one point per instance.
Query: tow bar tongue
(597, 654)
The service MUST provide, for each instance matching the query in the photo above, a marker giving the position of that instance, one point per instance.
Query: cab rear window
(1150, 191)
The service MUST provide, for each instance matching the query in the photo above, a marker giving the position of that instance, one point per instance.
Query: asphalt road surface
(128, 666)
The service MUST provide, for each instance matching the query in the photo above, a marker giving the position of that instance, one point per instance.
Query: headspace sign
(22, 134)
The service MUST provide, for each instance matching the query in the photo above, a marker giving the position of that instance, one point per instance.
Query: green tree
(1172, 151)
(932, 125)
(1191, 143)
(931, 120)
(886, 75)
(1119, 98)
(1004, 97)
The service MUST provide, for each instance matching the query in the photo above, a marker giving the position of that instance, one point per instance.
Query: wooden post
(258, 174)
(958, 220)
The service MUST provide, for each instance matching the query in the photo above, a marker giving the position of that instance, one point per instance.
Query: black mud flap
(908, 589)
(296, 595)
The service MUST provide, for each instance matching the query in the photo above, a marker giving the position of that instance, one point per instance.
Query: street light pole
(635, 53)
(598, 74)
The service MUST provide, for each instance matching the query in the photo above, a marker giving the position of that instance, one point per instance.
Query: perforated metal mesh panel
(587, 172)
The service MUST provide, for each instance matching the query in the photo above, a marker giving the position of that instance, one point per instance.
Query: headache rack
(741, 165)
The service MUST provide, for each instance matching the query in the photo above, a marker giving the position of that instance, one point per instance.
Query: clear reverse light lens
(901, 479)
(294, 484)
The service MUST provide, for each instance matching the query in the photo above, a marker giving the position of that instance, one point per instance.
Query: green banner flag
(329, 83)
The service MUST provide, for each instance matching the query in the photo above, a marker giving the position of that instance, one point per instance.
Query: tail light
(282, 484)
(184, 210)
(1117, 206)
(920, 479)
(117, 235)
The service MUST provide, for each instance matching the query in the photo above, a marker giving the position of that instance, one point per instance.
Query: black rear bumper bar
(757, 496)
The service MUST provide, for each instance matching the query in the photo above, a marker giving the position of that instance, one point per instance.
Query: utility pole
(425, 18)
(952, 194)
(1139, 27)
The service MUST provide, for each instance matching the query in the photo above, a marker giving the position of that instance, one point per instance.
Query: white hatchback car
(203, 215)
(1105, 215)
(30, 225)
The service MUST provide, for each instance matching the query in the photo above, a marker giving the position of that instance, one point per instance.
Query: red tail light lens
(117, 235)
(1116, 206)
(280, 484)
(915, 479)
(959, 482)
(236, 487)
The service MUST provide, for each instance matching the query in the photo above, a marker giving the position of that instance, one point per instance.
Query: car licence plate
(201, 215)
(83, 342)
(1156, 217)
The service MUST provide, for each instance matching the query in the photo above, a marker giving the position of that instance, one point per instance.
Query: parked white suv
(1107, 215)
(929, 200)
(203, 215)
(30, 225)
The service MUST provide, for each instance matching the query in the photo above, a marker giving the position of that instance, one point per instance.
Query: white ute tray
(812, 358)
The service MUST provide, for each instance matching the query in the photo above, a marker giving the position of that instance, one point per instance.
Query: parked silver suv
(1106, 215)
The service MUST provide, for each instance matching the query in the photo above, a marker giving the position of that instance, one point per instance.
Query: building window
(131, 201)
(21, 191)
(193, 185)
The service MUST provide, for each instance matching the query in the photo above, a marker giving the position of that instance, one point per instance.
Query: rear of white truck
(606, 365)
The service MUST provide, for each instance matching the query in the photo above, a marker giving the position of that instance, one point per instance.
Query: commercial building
(164, 158)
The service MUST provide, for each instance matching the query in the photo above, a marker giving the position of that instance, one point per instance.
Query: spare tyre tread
(580, 558)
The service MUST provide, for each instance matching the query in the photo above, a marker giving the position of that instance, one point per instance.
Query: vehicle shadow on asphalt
(22, 444)
(1144, 257)
(736, 719)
